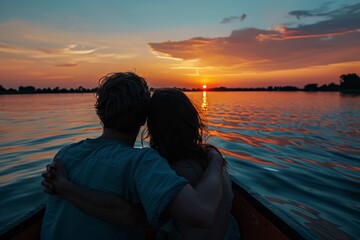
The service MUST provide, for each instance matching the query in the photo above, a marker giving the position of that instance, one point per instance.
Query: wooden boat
(255, 220)
(26, 227)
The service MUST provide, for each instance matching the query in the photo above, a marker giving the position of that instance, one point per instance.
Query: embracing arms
(194, 206)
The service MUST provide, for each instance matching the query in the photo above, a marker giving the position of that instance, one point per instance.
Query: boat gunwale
(278, 218)
(22, 223)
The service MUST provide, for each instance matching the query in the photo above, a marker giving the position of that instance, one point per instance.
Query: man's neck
(112, 134)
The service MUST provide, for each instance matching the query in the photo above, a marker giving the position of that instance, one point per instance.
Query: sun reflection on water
(204, 104)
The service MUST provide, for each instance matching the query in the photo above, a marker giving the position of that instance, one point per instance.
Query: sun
(204, 86)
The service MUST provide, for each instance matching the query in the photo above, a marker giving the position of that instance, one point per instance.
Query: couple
(106, 189)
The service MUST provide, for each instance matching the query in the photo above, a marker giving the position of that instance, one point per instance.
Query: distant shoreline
(355, 91)
(349, 83)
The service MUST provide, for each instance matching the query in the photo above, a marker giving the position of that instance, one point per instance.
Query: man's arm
(106, 206)
(193, 206)
(197, 207)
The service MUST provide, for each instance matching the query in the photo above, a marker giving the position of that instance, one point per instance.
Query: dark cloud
(319, 12)
(229, 19)
(301, 14)
(324, 11)
(242, 17)
(66, 65)
(234, 18)
(334, 40)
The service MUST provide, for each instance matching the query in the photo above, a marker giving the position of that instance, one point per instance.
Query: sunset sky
(238, 43)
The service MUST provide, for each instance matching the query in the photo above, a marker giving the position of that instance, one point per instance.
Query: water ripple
(298, 151)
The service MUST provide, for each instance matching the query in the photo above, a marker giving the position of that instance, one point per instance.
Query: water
(298, 151)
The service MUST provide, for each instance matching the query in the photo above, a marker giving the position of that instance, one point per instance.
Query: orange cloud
(331, 41)
(293, 34)
(71, 49)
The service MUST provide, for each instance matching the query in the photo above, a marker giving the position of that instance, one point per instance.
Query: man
(111, 164)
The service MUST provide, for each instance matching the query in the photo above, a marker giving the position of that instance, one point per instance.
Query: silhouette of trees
(329, 87)
(27, 89)
(350, 81)
(286, 88)
(2, 89)
(311, 87)
(32, 90)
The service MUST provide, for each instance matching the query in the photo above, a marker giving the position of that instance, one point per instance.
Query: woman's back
(225, 226)
(177, 131)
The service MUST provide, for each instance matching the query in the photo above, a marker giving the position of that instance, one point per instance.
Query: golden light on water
(204, 104)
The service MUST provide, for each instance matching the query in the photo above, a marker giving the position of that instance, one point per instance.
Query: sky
(231, 43)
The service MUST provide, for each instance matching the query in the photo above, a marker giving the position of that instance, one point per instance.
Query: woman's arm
(106, 206)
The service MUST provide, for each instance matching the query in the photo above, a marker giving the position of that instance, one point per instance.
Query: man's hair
(122, 100)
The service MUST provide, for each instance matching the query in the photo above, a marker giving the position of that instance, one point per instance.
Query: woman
(177, 132)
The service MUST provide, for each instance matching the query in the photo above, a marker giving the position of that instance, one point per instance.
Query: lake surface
(299, 152)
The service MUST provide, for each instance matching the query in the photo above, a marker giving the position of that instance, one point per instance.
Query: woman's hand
(55, 177)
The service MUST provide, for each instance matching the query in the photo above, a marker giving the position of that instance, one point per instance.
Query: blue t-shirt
(138, 175)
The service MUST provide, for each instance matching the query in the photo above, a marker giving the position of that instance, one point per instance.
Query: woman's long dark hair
(175, 127)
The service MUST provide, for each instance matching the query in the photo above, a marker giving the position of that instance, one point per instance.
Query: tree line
(31, 90)
(347, 83)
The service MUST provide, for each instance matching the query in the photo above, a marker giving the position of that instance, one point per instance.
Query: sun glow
(204, 86)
